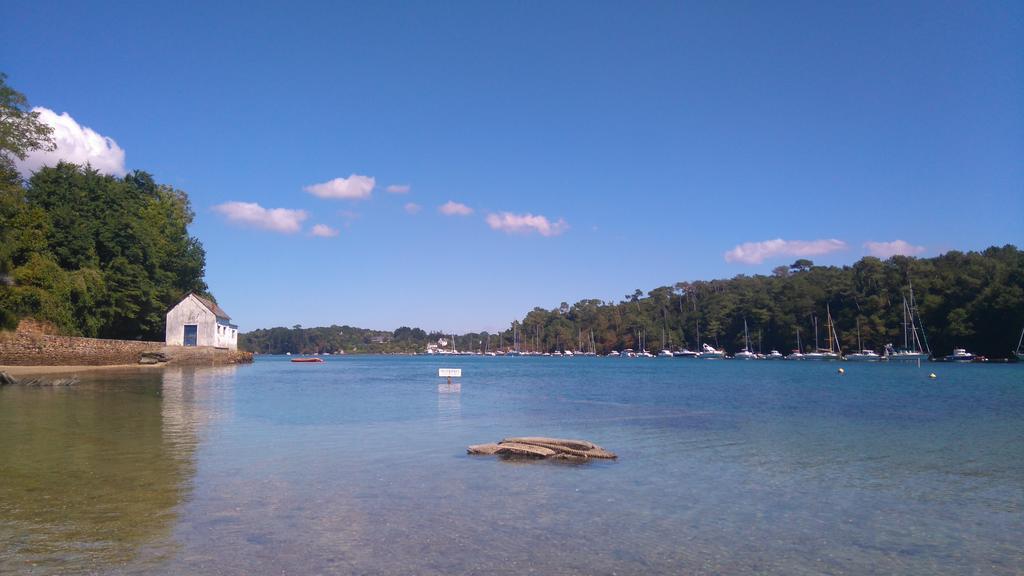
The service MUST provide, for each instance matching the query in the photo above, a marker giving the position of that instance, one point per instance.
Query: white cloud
(399, 189)
(757, 252)
(323, 231)
(354, 187)
(526, 224)
(75, 143)
(252, 214)
(450, 208)
(413, 208)
(886, 249)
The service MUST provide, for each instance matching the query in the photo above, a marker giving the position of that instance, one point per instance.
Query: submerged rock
(7, 379)
(541, 447)
(153, 358)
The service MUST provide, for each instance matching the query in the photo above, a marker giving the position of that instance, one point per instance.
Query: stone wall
(35, 349)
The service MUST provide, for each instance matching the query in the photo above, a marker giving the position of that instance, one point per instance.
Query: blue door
(191, 332)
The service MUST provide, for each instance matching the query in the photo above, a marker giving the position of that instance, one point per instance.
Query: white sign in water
(449, 372)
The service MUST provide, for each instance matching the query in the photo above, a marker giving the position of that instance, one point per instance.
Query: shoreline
(18, 371)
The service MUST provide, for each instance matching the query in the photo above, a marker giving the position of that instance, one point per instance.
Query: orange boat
(307, 359)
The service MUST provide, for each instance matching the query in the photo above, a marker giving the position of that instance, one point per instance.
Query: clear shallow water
(358, 466)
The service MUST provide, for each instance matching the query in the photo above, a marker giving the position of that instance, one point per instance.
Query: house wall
(191, 311)
(226, 335)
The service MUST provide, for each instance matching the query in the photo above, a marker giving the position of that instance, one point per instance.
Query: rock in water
(5, 379)
(541, 447)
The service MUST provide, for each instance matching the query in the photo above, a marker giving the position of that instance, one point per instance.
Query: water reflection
(91, 476)
(449, 402)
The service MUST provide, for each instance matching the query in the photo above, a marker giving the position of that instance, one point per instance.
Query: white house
(196, 321)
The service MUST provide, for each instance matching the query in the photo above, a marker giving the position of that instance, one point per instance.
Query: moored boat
(709, 352)
(864, 355)
(960, 355)
(308, 360)
(745, 354)
(915, 347)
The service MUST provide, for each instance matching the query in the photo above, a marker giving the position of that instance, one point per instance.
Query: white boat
(745, 354)
(613, 354)
(796, 354)
(628, 353)
(960, 355)
(710, 353)
(865, 355)
(915, 348)
(829, 353)
(1019, 353)
(665, 352)
(685, 353)
(774, 355)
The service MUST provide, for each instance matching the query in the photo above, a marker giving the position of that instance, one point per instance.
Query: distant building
(196, 321)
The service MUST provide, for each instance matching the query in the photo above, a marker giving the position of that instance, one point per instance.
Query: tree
(801, 265)
(21, 131)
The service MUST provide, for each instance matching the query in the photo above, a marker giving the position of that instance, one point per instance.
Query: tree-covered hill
(335, 340)
(96, 255)
(973, 300)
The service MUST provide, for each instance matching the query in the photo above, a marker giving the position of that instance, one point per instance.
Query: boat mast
(913, 309)
(833, 335)
(906, 332)
(860, 347)
(815, 319)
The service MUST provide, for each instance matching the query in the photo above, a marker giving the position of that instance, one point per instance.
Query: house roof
(212, 307)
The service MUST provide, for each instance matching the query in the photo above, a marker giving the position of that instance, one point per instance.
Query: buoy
(932, 375)
(842, 371)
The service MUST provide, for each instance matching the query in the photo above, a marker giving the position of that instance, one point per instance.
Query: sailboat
(643, 353)
(1018, 353)
(796, 354)
(912, 350)
(864, 354)
(745, 354)
(830, 331)
(665, 352)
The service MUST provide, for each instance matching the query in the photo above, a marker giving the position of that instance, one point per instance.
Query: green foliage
(94, 254)
(20, 128)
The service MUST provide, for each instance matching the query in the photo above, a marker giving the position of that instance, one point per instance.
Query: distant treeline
(973, 300)
(95, 255)
(335, 339)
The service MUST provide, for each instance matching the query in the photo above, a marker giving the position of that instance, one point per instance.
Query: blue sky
(660, 142)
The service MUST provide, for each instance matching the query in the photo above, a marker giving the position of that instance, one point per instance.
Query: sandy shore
(19, 371)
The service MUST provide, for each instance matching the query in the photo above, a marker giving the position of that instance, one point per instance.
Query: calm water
(358, 466)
